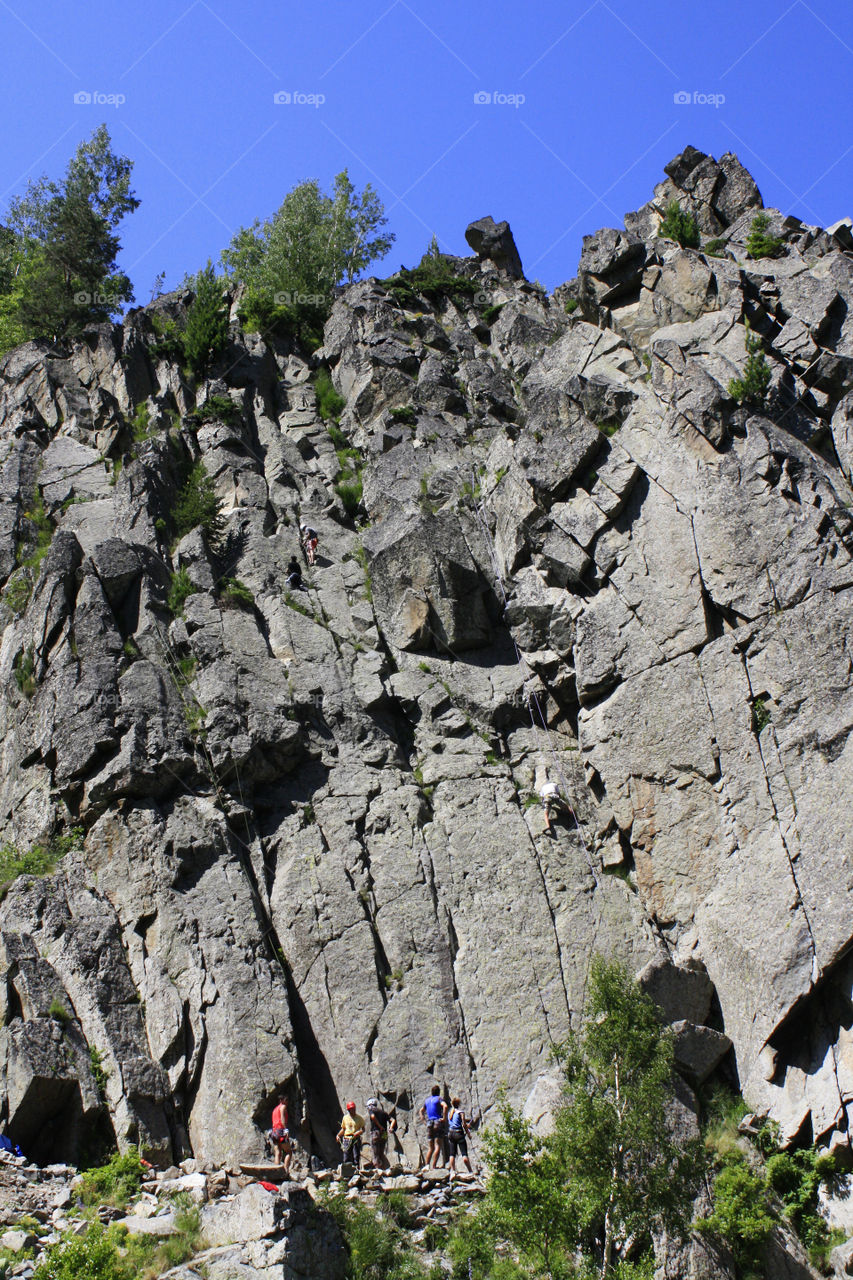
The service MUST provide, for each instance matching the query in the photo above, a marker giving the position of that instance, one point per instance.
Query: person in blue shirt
(434, 1112)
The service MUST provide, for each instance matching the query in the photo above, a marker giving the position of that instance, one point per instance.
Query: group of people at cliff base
(447, 1129)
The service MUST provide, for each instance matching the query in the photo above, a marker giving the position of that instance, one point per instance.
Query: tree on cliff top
(311, 244)
(58, 272)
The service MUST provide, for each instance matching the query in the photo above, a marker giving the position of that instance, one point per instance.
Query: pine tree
(206, 331)
(59, 249)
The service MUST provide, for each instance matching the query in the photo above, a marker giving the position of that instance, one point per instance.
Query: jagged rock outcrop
(312, 858)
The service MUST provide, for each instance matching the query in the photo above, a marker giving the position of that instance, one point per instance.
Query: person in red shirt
(281, 1134)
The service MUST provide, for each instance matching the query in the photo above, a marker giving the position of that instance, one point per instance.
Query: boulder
(493, 241)
(681, 992)
(698, 1050)
(252, 1214)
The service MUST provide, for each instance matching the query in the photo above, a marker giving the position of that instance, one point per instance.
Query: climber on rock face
(293, 576)
(350, 1134)
(381, 1124)
(434, 1112)
(552, 802)
(310, 541)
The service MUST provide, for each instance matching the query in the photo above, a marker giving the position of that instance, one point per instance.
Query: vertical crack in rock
(800, 902)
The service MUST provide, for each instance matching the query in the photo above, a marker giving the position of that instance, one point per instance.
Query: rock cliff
(310, 855)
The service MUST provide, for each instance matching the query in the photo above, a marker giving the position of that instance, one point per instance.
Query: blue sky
(582, 113)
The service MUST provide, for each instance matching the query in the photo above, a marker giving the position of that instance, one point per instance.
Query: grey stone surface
(312, 859)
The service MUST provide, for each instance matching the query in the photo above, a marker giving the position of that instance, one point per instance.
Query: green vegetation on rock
(34, 546)
(206, 332)
(752, 388)
(759, 243)
(198, 506)
(115, 1183)
(234, 594)
(377, 1247)
(180, 589)
(330, 405)
(434, 278)
(680, 225)
(612, 1169)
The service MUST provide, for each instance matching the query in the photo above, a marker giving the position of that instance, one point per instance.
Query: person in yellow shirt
(350, 1134)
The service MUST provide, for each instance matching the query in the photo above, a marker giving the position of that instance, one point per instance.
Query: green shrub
(377, 1250)
(680, 225)
(330, 405)
(435, 279)
(301, 321)
(350, 493)
(169, 344)
(751, 389)
(38, 861)
(99, 1072)
(796, 1177)
(715, 248)
(741, 1217)
(17, 592)
(571, 306)
(58, 1011)
(217, 409)
(182, 586)
(90, 1257)
(206, 332)
(198, 506)
(148, 1257)
(395, 1204)
(337, 436)
(186, 669)
(22, 669)
(141, 426)
(115, 1183)
(41, 536)
(471, 1248)
(169, 339)
(760, 716)
(195, 715)
(758, 243)
(405, 414)
(609, 426)
(234, 594)
(491, 314)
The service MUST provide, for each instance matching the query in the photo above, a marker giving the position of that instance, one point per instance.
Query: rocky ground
(310, 853)
(248, 1229)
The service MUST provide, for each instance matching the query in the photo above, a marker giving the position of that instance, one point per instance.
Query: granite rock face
(312, 856)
